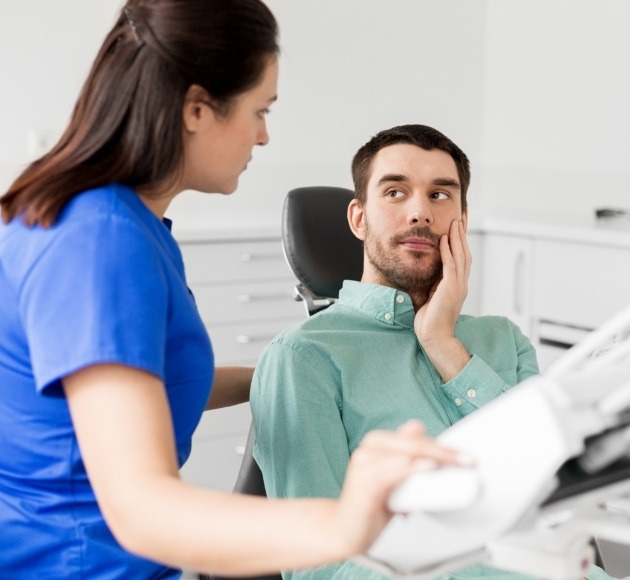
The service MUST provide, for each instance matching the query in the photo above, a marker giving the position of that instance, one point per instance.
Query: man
(395, 346)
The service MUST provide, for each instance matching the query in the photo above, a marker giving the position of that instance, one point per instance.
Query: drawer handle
(248, 339)
(245, 298)
(247, 257)
(519, 278)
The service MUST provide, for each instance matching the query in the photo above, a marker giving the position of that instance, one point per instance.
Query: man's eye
(439, 195)
(395, 193)
(264, 112)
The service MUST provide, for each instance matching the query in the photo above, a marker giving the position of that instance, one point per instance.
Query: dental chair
(318, 244)
(322, 252)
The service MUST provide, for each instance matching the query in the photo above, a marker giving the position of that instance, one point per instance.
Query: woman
(105, 366)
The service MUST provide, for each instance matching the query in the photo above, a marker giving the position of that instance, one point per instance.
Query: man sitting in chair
(395, 346)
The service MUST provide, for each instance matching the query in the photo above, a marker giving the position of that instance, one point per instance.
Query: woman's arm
(231, 387)
(123, 425)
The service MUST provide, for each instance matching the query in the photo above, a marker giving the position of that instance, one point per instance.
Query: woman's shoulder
(99, 222)
(105, 203)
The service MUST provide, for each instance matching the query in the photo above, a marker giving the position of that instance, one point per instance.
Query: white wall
(46, 49)
(556, 135)
(349, 69)
(537, 93)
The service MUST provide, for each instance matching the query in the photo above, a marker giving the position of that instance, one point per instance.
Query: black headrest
(321, 249)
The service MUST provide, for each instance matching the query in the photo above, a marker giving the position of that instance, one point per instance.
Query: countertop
(574, 229)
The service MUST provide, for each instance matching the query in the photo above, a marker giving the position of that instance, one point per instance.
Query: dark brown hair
(127, 123)
(420, 135)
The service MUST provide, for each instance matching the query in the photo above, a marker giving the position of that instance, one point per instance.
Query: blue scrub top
(106, 283)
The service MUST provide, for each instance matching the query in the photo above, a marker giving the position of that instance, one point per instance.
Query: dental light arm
(551, 473)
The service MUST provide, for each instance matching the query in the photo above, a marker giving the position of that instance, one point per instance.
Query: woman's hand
(382, 461)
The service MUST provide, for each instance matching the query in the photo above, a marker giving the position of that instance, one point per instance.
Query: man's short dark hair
(420, 135)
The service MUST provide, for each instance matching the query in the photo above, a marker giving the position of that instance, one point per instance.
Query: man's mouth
(417, 239)
(418, 244)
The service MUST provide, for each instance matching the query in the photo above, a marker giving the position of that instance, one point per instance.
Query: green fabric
(322, 385)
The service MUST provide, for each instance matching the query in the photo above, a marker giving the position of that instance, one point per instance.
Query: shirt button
(400, 299)
(471, 393)
(388, 316)
(458, 402)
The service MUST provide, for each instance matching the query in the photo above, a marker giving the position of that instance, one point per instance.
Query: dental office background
(536, 92)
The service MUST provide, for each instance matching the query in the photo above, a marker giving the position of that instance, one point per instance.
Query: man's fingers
(466, 247)
(456, 240)
(448, 263)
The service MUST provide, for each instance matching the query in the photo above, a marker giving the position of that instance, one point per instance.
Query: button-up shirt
(358, 365)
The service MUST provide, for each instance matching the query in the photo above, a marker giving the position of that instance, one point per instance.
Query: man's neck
(418, 297)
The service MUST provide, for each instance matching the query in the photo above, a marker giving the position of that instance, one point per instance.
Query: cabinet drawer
(580, 284)
(231, 261)
(242, 343)
(242, 302)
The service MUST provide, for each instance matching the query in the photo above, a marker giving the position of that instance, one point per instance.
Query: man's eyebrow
(399, 177)
(272, 99)
(396, 177)
(447, 182)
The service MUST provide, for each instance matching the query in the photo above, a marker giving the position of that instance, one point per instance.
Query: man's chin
(423, 266)
(422, 278)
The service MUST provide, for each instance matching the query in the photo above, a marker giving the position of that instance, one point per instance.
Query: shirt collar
(388, 305)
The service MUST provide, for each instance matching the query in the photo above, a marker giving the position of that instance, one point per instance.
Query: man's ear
(197, 108)
(356, 219)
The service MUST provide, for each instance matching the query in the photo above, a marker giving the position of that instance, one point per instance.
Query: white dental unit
(552, 472)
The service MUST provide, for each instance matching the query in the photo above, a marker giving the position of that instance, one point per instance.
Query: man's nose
(420, 212)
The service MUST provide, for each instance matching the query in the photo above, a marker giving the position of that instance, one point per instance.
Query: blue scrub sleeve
(97, 294)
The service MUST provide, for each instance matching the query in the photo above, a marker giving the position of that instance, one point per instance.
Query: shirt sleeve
(97, 294)
(502, 357)
(301, 444)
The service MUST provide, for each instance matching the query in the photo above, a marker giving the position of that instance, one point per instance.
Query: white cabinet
(506, 278)
(243, 289)
(580, 284)
(556, 285)
(578, 287)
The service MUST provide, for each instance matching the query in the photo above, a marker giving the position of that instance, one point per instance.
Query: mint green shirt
(322, 385)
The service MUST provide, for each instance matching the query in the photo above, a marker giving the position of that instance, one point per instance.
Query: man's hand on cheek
(437, 317)
(435, 320)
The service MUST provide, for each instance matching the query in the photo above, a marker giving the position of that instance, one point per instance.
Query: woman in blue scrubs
(105, 366)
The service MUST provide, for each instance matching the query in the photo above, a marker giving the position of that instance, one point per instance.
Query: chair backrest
(318, 244)
(249, 479)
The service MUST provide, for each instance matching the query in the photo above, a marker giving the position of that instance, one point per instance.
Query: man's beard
(415, 279)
